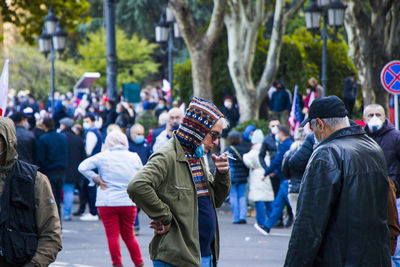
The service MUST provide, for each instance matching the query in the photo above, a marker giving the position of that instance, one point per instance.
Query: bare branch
(184, 17)
(386, 6)
(293, 10)
(216, 23)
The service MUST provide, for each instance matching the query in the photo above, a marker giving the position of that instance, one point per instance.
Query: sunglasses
(215, 135)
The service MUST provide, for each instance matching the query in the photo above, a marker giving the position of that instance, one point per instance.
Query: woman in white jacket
(115, 168)
(260, 190)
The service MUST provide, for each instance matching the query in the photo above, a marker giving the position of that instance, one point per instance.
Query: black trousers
(57, 181)
(87, 194)
(349, 104)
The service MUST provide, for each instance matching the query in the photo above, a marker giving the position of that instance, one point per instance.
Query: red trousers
(118, 220)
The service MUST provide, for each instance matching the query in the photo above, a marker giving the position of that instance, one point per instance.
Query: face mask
(118, 112)
(228, 104)
(375, 124)
(200, 151)
(27, 126)
(102, 108)
(86, 126)
(308, 91)
(160, 106)
(274, 130)
(175, 127)
(316, 142)
(139, 139)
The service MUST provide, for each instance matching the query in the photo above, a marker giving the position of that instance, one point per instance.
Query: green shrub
(259, 124)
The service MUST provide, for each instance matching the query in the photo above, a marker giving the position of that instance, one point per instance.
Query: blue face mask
(139, 139)
(200, 151)
(316, 142)
(175, 127)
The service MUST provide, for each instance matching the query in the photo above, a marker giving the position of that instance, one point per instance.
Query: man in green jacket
(176, 190)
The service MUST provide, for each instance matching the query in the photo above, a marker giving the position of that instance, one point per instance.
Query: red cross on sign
(390, 77)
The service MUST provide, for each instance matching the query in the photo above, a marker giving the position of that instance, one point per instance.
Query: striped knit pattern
(197, 172)
(200, 117)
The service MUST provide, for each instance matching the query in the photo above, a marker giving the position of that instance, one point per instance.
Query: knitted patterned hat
(200, 117)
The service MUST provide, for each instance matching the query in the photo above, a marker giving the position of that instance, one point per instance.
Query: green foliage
(29, 70)
(28, 15)
(259, 124)
(135, 61)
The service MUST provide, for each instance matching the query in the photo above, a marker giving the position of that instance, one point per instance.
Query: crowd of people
(335, 180)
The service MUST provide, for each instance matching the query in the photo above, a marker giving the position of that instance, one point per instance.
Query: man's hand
(159, 228)
(221, 162)
(271, 175)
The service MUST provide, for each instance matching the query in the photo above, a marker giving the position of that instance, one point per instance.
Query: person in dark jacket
(343, 202)
(123, 119)
(109, 116)
(239, 176)
(269, 146)
(52, 158)
(76, 154)
(388, 138)
(294, 164)
(350, 87)
(25, 138)
(274, 171)
(280, 103)
(138, 144)
(231, 113)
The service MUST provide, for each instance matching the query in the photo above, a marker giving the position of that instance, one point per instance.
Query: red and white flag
(4, 79)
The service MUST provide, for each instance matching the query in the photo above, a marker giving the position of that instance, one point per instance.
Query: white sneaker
(89, 217)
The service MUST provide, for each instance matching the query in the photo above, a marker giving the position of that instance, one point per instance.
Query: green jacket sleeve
(142, 189)
(222, 186)
(47, 222)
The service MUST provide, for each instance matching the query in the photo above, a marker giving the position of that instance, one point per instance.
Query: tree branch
(386, 6)
(216, 23)
(292, 11)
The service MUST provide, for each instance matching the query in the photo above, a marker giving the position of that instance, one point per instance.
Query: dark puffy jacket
(25, 145)
(295, 162)
(52, 152)
(342, 208)
(76, 154)
(280, 101)
(232, 115)
(239, 172)
(268, 145)
(389, 140)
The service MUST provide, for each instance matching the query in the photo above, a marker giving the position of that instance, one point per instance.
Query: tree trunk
(200, 44)
(372, 43)
(243, 22)
(201, 73)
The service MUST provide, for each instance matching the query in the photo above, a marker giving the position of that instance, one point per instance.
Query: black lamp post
(333, 14)
(166, 31)
(52, 39)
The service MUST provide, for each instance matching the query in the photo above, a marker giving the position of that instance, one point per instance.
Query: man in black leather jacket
(342, 207)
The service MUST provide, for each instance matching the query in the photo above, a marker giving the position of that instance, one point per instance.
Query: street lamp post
(166, 31)
(52, 39)
(332, 12)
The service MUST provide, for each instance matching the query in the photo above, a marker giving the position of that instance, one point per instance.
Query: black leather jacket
(341, 218)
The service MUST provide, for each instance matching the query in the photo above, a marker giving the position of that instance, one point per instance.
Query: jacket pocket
(180, 192)
(19, 247)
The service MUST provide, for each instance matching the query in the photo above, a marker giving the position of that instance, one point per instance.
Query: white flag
(4, 88)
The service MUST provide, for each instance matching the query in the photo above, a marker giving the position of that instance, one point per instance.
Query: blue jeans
(396, 256)
(279, 203)
(205, 262)
(68, 199)
(263, 210)
(237, 199)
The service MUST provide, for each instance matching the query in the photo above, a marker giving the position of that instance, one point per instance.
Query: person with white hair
(342, 209)
(175, 117)
(115, 167)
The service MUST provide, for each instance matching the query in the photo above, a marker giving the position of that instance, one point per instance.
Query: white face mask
(86, 126)
(375, 123)
(274, 130)
(228, 104)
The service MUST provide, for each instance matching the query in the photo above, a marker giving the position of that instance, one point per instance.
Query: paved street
(85, 244)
